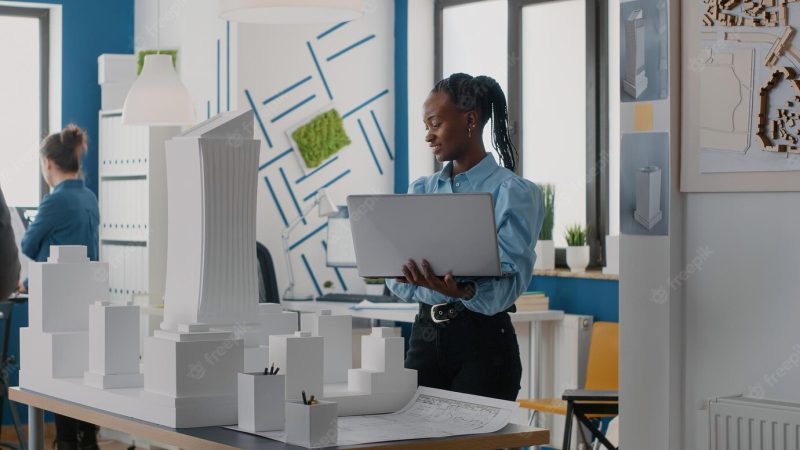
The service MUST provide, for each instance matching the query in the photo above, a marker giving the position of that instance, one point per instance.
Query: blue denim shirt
(67, 216)
(519, 211)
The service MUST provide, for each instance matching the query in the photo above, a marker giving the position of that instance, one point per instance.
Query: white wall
(265, 60)
(743, 305)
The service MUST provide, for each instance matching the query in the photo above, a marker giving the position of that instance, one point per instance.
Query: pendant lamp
(290, 11)
(157, 97)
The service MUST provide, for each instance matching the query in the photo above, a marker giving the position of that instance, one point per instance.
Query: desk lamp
(326, 208)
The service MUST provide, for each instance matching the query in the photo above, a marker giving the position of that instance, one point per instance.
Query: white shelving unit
(133, 212)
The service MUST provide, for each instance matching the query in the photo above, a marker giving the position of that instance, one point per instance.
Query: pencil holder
(261, 401)
(311, 425)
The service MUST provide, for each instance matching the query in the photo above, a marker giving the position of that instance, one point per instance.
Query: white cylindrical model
(648, 196)
(261, 402)
(311, 425)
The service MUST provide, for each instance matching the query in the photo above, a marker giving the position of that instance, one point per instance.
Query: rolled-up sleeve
(519, 212)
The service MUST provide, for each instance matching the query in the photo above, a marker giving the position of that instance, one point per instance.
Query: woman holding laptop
(462, 339)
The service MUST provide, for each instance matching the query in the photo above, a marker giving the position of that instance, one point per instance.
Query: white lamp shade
(158, 97)
(290, 11)
(326, 206)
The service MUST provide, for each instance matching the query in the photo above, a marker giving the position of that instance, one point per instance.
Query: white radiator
(740, 423)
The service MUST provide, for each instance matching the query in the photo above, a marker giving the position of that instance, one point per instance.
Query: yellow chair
(602, 373)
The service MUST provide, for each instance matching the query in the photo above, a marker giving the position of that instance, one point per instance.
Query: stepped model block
(382, 368)
(338, 334)
(56, 342)
(113, 346)
(261, 402)
(212, 181)
(300, 357)
(648, 196)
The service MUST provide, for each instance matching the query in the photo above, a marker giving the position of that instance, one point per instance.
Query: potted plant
(577, 250)
(374, 285)
(327, 286)
(545, 250)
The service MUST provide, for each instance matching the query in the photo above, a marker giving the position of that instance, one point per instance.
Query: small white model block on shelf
(311, 425)
(338, 334)
(113, 346)
(648, 196)
(262, 400)
(300, 357)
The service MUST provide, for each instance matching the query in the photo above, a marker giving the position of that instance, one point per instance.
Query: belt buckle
(436, 312)
(439, 313)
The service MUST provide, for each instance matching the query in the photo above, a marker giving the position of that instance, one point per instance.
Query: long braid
(484, 95)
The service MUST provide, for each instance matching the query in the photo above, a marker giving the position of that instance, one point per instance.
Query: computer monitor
(341, 251)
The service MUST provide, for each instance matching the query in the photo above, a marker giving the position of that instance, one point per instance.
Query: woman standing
(67, 216)
(462, 339)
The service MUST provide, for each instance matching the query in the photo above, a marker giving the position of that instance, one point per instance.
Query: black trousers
(472, 354)
(69, 430)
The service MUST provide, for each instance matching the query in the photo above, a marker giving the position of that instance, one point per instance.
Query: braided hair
(484, 95)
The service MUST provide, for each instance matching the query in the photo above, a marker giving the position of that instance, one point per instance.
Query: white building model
(83, 349)
(635, 82)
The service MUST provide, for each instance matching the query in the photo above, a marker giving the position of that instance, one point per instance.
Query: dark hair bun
(73, 137)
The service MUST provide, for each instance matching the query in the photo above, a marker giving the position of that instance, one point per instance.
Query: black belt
(444, 312)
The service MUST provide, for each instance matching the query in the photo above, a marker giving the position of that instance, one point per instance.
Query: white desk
(528, 321)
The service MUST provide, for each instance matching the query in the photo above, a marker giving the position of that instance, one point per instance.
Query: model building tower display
(635, 82)
(113, 346)
(55, 344)
(648, 196)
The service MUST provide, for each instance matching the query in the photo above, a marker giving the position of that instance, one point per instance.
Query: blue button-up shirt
(67, 216)
(518, 210)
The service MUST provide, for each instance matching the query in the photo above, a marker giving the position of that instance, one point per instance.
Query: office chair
(267, 282)
(599, 398)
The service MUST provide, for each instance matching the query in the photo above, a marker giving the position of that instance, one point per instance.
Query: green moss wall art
(320, 138)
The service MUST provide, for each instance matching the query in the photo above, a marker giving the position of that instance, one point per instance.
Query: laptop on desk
(454, 232)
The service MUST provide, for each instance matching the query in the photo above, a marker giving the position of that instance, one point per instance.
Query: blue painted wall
(597, 298)
(89, 29)
(401, 96)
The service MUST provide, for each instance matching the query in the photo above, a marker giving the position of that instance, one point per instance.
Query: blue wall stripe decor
(311, 274)
(350, 47)
(324, 165)
(335, 269)
(293, 108)
(291, 194)
(401, 96)
(218, 75)
(288, 89)
(308, 236)
(258, 117)
(331, 30)
(349, 113)
(327, 185)
(227, 65)
(383, 137)
(277, 203)
(369, 145)
(319, 69)
(273, 160)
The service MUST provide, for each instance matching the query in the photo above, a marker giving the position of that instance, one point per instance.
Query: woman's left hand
(446, 285)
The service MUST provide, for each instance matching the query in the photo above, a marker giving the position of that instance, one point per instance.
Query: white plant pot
(374, 289)
(311, 425)
(578, 258)
(261, 400)
(545, 255)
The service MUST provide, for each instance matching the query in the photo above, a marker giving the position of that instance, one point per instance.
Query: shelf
(591, 274)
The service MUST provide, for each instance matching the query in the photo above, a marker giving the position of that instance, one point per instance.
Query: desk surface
(219, 438)
(406, 315)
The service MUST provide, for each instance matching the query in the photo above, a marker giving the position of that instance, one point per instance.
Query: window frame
(597, 103)
(43, 15)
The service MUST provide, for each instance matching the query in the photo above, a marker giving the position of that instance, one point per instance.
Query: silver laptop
(454, 232)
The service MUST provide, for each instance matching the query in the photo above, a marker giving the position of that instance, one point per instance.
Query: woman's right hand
(21, 287)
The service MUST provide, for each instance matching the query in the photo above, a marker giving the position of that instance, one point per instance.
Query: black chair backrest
(267, 282)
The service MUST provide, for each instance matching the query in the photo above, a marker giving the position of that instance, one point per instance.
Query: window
(551, 58)
(24, 44)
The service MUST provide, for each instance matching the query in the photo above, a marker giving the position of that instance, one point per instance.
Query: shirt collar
(476, 174)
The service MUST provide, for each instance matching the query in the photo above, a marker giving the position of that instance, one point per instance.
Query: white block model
(300, 357)
(113, 346)
(635, 82)
(261, 402)
(311, 425)
(382, 370)
(56, 341)
(648, 196)
(211, 254)
(338, 334)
